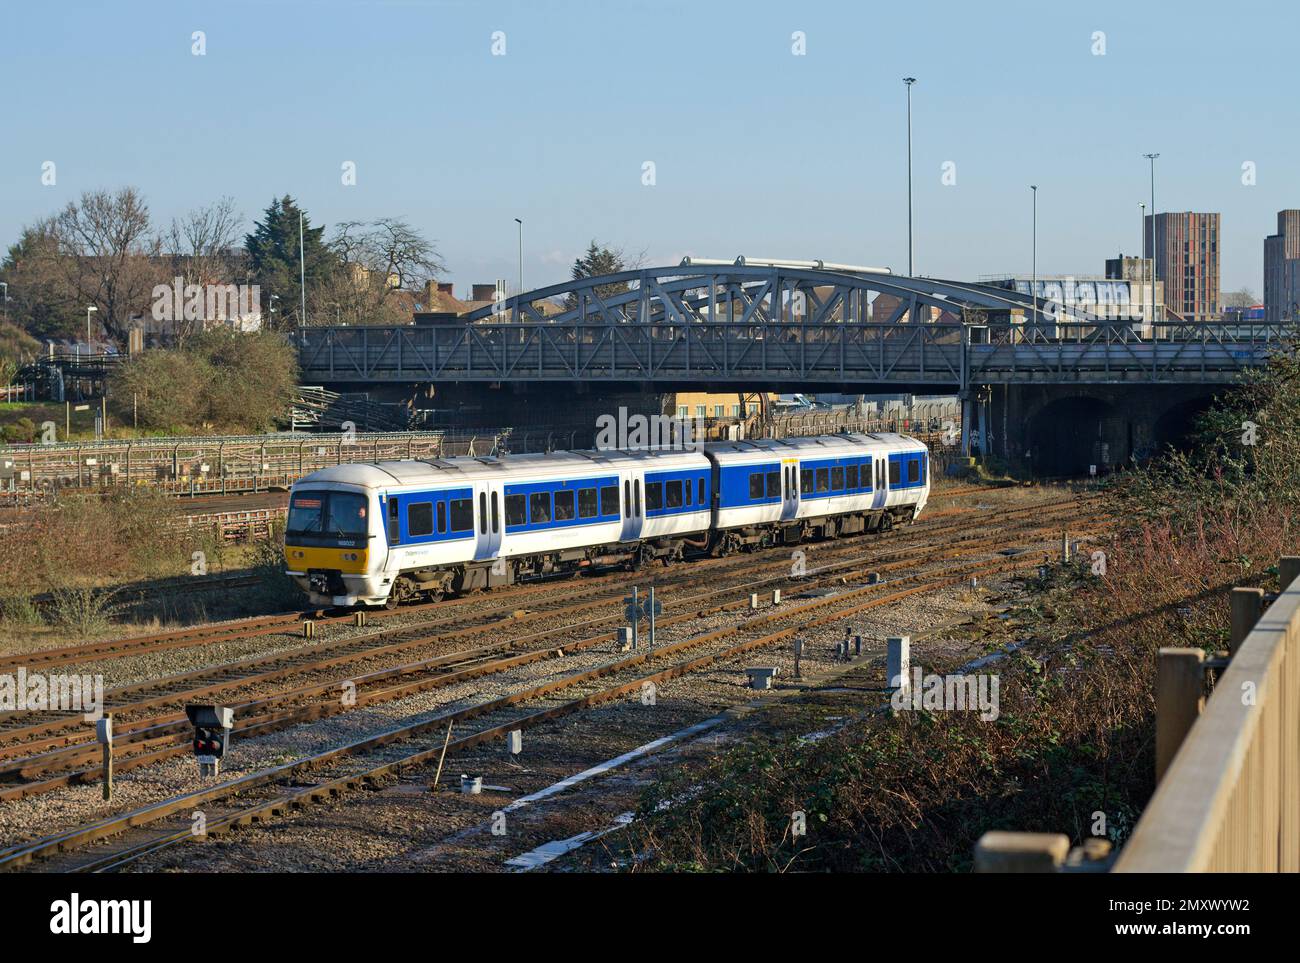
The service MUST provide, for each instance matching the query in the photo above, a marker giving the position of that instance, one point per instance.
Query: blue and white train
(384, 532)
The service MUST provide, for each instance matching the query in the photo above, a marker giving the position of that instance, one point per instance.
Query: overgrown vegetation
(1075, 736)
(76, 558)
(219, 381)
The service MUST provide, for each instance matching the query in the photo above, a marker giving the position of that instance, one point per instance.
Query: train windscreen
(328, 514)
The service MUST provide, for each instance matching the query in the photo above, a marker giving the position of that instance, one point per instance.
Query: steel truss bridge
(774, 325)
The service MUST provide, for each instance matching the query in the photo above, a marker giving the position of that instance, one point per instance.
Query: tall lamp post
(521, 254)
(908, 81)
(90, 309)
(5, 285)
(1152, 159)
(1033, 283)
(1142, 261)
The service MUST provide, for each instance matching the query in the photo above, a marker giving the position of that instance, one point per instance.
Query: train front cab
(329, 544)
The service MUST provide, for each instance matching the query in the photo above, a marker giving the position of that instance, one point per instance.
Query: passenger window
(823, 480)
(627, 497)
(539, 507)
(806, 482)
(462, 515)
(515, 510)
(394, 522)
(686, 489)
(636, 497)
(921, 466)
(442, 518)
(914, 471)
(704, 499)
(756, 485)
(419, 519)
(672, 493)
(482, 513)
(893, 472)
(496, 515)
(837, 479)
(587, 502)
(564, 507)
(609, 500)
(654, 496)
(774, 484)
(851, 477)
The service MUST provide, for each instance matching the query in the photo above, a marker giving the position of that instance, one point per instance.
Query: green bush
(220, 380)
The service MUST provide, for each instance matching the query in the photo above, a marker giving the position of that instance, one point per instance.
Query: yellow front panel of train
(349, 561)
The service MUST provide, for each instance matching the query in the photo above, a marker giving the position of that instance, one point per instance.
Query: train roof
(815, 444)
(568, 463)
(466, 468)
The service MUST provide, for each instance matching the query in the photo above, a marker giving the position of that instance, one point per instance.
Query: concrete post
(1246, 606)
(898, 661)
(1003, 852)
(1180, 694)
(1288, 570)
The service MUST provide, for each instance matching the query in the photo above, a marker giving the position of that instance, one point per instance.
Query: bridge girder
(761, 293)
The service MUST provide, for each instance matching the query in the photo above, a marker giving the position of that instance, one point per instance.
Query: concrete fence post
(1288, 570)
(1245, 607)
(1180, 695)
(1003, 852)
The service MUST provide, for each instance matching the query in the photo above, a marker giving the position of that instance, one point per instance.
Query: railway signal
(212, 725)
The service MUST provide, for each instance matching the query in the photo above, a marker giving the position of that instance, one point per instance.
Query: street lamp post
(5, 285)
(90, 309)
(1152, 159)
(1033, 283)
(521, 254)
(1142, 259)
(908, 81)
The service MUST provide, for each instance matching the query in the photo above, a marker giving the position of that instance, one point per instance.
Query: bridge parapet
(889, 355)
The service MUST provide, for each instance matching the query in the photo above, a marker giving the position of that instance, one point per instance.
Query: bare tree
(108, 255)
(1244, 298)
(202, 247)
(378, 259)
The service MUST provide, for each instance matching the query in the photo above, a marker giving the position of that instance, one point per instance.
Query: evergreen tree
(597, 261)
(273, 256)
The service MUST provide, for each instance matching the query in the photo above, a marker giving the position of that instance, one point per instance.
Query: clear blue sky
(756, 150)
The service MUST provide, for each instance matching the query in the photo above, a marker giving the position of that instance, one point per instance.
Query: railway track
(269, 624)
(265, 794)
(31, 732)
(467, 664)
(167, 736)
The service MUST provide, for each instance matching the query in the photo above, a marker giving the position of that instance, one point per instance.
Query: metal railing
(216, 464)
(939, 355)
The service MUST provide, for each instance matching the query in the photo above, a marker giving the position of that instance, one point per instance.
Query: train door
(488, 500)
(789, 490)
(881, 483)
(633, 510)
